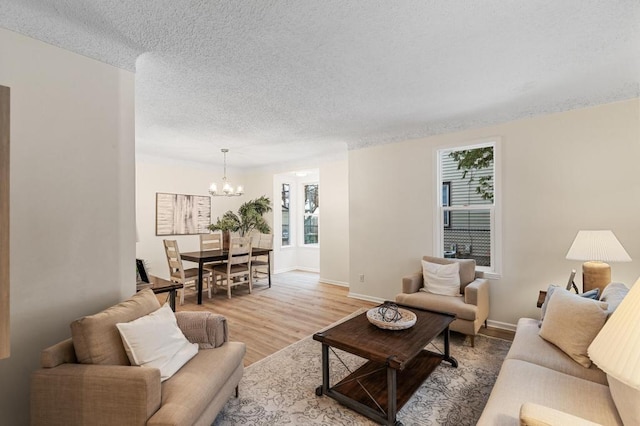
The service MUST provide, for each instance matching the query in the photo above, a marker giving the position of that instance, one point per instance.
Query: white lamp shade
(597, 245)
(616, 349)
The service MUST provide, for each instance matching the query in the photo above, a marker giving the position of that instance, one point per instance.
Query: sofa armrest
(78, 394)
(206, 329)
(538, 415)
(60, 353)
(412, 283)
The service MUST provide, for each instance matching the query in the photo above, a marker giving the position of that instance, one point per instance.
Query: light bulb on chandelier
(227, 189)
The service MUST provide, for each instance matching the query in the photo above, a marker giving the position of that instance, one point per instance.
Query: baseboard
(365, 297)
(296, 268)
(501, 325)
(314, 270)
(333, 282)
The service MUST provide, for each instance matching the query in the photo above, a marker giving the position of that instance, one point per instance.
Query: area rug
(280, 389)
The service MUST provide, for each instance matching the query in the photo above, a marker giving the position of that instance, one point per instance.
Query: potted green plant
(248, 218)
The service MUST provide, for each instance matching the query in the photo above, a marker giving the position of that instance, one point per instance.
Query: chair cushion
(235, 269)
(441, 279)
(96, 339)
(436, 302)
(467, 268)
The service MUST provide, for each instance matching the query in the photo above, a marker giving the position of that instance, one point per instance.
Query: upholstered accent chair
(471, 306)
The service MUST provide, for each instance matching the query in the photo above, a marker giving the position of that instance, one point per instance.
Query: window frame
(495, 217)
(290, 230)
(302, 215)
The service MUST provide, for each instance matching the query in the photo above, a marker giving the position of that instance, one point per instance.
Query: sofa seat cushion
(440, 303)
(187, 394)
(529, 346)
(521, 381)
(96, 338)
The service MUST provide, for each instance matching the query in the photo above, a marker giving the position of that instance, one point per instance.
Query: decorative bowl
(407, 319)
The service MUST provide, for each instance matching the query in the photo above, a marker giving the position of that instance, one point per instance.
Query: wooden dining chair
(211, 242)
(260, 264)
(177, 273)
(237, 269)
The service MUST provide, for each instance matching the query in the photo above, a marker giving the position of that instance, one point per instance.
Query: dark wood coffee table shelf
(398, 363)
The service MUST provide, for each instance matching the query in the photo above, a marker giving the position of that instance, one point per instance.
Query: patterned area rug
(280, 389)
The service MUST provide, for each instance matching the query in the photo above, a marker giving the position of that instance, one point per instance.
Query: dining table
(207, 256)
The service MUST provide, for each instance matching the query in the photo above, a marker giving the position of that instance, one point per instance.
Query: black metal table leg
(172, 299)
(447, 355)
(391, 395)
(320, 390)
(269, 267)
(200, 265)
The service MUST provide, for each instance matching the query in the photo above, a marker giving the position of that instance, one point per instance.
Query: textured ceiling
(279, 81)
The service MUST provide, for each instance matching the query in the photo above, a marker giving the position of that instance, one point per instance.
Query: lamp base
(595, 275)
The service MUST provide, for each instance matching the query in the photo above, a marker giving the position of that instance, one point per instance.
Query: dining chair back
(211, 241)
(260, 265)
(237, 269)
(177, 272)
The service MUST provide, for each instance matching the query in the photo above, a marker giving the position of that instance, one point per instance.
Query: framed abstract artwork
(179, 214)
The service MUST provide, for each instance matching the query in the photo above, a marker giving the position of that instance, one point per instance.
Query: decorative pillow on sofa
(156, 341)
(441, 279)
(591, 294)
(571, 323)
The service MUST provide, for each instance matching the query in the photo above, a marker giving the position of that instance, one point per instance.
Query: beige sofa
(539, 384)
(88, 379)
(471, 307)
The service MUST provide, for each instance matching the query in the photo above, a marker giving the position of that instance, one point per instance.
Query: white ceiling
(277, 81)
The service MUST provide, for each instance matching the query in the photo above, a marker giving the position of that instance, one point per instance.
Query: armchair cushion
(155, 340)
(437, 302)
(441, 279)
(96, 339)
(467, 268)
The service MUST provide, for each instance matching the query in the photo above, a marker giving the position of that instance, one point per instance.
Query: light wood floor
(295, 306)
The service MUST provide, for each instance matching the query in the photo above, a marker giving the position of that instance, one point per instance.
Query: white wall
(72, 200)
(561, 173)
(334, 223)
(175, 178)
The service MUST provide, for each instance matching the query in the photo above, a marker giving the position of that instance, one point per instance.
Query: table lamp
(597, 247)
(616, 351)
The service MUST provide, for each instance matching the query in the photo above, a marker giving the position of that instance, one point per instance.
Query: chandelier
(227, 189)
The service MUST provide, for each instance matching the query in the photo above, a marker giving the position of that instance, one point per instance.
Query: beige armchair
(88, 379)
(471, 307)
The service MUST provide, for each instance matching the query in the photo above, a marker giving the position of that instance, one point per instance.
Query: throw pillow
(441, 279)
(156, 341)
(571, 323)
(591, 294)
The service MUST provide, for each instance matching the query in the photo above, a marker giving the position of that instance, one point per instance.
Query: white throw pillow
(155, 340)
(441, 279)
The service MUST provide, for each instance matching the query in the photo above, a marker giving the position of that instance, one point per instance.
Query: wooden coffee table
(398, 362)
